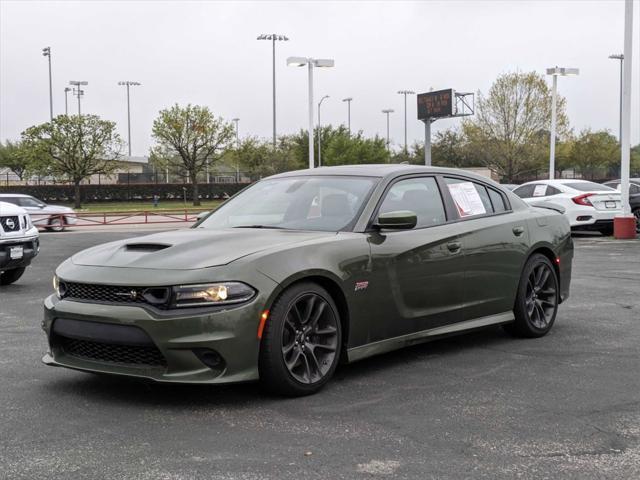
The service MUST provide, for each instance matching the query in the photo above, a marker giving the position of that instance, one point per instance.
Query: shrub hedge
(123, 193)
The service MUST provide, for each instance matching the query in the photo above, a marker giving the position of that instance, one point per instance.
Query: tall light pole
(66, 104)
(77, 91)
(128, 84)
(555, 72)
(405, 93)
(273, 37)
(624, 225)
(46, 52)
(310, 63)
(236, 121)
(348, 100)
(387, 111)
(620, 57)
(320, 131)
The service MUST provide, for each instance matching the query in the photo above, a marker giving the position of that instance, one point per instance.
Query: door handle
(454, 247)
(517, 231)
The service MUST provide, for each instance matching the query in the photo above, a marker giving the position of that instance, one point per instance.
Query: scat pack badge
(361, 285)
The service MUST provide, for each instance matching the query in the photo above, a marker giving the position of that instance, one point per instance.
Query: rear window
(588, 187)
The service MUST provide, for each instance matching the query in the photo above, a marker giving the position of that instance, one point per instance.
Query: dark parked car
(305, 269)
(634, 197)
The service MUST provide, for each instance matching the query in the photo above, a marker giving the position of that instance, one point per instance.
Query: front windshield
(323, 203)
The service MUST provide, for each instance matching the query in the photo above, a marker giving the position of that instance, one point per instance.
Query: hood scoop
(146, 247)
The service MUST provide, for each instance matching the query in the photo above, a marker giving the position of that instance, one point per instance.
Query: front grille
(10, 224)
(155, 296)
(110, 353)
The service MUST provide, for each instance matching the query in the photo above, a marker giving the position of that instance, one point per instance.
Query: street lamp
(236, 121)
(387, 112)
(77, 91)
(46, 52)
(310, 63)
(405, 93)
(66, 104)
(348, 100)
(273, 38)
(620, 57)
(128, 84)
(320, 131)
(555, 72)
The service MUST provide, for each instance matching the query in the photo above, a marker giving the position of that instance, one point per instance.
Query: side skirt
(383, 346)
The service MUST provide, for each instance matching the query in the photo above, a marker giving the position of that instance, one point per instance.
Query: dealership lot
(483, 405)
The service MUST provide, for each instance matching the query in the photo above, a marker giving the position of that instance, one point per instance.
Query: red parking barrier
(130, 217)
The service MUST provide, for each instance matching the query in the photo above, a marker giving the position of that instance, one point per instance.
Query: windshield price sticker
(467, 199)
(540, 191)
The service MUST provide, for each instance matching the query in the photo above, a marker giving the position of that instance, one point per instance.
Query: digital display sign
(436, 104)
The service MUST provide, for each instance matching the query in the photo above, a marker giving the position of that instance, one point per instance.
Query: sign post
(441, 104)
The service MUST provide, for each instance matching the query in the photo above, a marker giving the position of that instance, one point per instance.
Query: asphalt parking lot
(483, 405)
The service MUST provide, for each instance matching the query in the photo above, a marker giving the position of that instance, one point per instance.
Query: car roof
(563, 181)
(635, 180)
(380, 170)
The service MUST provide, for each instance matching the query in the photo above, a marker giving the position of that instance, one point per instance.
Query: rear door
(417, 275)
(495, 242)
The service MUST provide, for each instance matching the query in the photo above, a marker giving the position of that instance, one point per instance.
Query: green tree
(17, 158)
(75, 147)
(509, 132)
(195, 136)
(595, 152)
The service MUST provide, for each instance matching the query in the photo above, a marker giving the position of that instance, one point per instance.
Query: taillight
(583, 199)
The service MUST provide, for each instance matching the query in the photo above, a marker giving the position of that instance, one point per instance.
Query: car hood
(190, 248)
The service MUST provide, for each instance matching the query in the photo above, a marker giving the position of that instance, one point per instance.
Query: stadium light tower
(387, 111)
(273, 37)
(46, 52)
(556, 72)
(310, 63)
(405, 93)
(128, 84)
(348, 100)
(66, 104)
(77, 91)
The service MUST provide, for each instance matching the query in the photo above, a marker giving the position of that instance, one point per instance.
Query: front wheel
(301, 342)
(56, 224)
(537, 301)
(9, 276)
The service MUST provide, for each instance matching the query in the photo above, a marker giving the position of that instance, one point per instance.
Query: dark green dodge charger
(306, 269)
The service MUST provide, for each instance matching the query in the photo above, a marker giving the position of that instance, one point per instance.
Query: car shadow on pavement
(110, 389)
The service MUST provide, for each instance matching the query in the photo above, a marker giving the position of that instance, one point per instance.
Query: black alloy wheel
(537, 300)
(301, 341)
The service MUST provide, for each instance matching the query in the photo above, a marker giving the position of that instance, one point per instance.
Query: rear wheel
(56, 224)
(301, 341)
(606, 231)
(9, 276)
(636, 213)
(537, 300)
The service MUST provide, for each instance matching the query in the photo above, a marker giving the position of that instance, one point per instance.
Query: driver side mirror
(398, 220)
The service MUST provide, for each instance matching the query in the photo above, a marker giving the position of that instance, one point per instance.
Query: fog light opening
(210, 358)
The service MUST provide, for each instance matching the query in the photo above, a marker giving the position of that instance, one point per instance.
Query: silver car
(50, 217)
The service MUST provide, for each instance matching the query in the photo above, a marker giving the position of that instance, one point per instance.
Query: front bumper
(230, 333)
(30, 249)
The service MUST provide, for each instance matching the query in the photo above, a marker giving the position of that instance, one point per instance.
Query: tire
(537, 299)
(636, 213)
(301, 341)
(56, 224)
(9, 276)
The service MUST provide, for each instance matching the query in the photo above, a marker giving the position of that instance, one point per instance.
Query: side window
(470, 198)
(634, 189)
(552, 191)
(497, 201)
(539, 190)
(525, 191)
(419, 195)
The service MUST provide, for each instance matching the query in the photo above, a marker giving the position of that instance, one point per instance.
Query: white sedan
(587, 205)
(50, 217)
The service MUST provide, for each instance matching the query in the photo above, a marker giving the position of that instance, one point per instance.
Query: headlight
(212, 294)
(58, 286)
